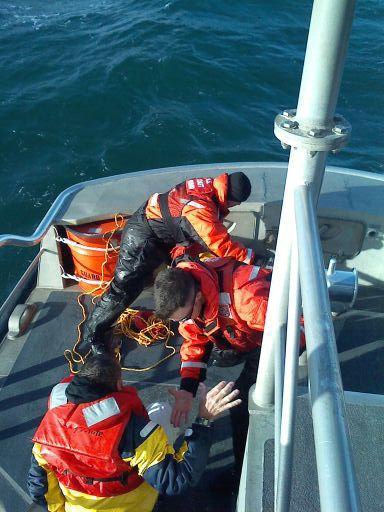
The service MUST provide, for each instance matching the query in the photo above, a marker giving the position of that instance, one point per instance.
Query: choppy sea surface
(91, 88)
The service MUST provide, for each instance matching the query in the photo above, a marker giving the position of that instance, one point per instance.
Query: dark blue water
(93, 88)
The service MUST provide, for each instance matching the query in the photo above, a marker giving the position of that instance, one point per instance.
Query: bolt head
(289, 113)
(293, 125)
(314, 132)
(339, 129)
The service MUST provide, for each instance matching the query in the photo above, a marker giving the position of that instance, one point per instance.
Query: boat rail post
(338, 486)
(311, 132)
(288, 414)
(279, 382)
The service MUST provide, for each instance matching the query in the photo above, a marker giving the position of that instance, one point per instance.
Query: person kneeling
(96, 448)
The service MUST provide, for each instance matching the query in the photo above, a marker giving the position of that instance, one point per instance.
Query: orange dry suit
(193, 212)
(236, 300)
(190, 217)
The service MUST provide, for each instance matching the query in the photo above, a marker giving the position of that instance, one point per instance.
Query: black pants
(141, 252)
(239, 415)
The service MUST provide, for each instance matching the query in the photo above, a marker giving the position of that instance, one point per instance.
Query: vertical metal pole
(279, 378)
(324, 61)
(336, 474)
(283, 495)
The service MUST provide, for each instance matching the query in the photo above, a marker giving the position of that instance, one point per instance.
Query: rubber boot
(106, 311)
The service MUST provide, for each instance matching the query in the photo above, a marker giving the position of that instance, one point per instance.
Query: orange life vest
(222, 282)
(80, 442)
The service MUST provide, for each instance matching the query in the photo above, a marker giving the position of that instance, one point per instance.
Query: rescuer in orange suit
(221, 306)
(187, 218)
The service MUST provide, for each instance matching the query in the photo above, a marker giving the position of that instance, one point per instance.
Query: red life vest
(80, 442)
(220, 280)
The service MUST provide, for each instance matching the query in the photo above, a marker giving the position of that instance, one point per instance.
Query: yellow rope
(154, 331)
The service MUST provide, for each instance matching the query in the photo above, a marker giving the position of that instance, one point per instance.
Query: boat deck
(40, 364)
(351, 220)
(32, 364)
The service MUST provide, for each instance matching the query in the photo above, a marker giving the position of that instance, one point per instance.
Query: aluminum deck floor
(40, 364)
(31, 365)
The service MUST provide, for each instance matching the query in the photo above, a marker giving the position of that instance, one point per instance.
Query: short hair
(102, 371)
(172, 289)
(239, 187)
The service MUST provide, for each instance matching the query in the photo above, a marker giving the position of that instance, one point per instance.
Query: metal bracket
(20, 319)
(288, 130)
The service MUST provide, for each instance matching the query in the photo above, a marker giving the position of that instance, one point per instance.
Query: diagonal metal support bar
(288, 416)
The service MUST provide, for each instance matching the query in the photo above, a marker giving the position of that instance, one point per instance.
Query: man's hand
(181, 407)
(217, 400)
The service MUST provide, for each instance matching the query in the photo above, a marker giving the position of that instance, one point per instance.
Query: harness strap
(168, 220)
(122, 478)
(223, 272)
(91, 481)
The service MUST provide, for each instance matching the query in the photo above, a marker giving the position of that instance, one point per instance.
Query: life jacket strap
(168, 220)
(91, 481)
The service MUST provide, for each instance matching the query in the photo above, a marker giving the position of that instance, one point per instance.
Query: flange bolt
(289, 113)
(339, 129)
(293, 125)
(315, 132)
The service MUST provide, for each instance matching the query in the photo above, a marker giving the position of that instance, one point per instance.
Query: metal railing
(311, 131)
(338, 486)
(60, 203)
(284, 438)
(49, 218)
(336, 474)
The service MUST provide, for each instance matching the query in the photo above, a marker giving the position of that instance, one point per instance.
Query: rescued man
(221, 305)
(190, 217)
(96, 448)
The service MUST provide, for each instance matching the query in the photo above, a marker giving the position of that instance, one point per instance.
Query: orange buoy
(91, 245)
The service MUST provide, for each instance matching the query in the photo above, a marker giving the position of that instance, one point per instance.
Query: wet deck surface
(40, 365)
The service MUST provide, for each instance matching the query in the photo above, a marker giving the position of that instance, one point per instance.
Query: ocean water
(91, 88)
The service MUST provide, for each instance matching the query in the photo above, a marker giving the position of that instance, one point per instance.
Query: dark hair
(239, 187)
(171, 289)
(102, 371)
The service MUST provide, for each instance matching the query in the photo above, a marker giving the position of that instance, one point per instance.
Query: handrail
(45, 224)
(50, 216)
(336, 473)
(25, 283)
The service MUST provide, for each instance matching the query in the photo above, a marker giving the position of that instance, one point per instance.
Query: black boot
(98, 348)
(107, 311)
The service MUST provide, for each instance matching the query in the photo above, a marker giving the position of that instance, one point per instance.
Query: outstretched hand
(219, 399)
(181, 407)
